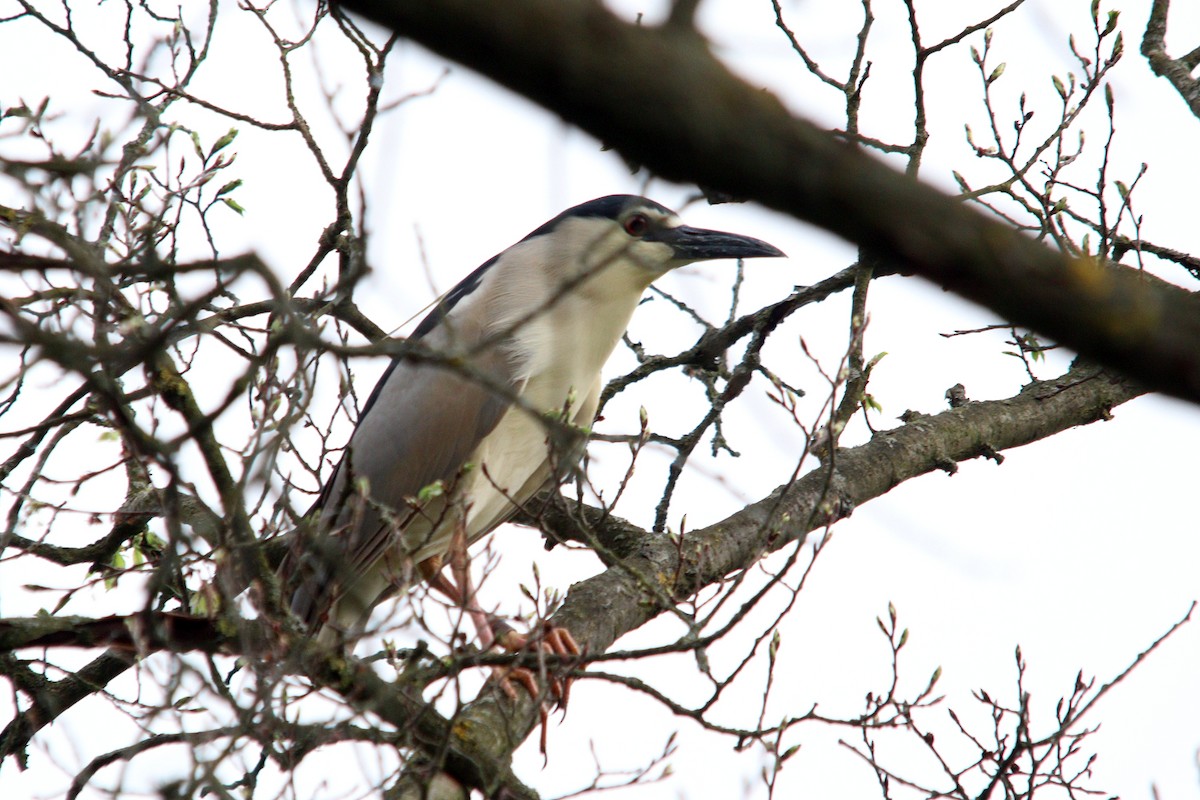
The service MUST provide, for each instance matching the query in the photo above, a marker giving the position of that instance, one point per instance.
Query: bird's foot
(553, 641)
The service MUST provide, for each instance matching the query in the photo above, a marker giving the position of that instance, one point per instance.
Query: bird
(495, 408)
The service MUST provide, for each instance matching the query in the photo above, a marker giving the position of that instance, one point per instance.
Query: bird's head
(641, 235)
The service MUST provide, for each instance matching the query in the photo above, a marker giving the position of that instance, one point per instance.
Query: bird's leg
(460, 590)
(460, 569)
(485, 624)
(491, 629)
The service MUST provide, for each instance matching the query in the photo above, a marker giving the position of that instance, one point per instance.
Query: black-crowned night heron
(447, 448)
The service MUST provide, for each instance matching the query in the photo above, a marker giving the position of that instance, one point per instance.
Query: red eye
(637, 225)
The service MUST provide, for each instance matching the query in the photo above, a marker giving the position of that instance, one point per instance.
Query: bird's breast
(559, 351)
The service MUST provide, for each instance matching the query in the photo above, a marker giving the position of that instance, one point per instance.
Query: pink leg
(464, 598)
(492, 631)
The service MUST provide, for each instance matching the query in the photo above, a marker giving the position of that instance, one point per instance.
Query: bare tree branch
(661, 571)
(688, 118)
(1178, 71)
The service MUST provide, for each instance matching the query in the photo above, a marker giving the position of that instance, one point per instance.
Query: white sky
(1081, 549)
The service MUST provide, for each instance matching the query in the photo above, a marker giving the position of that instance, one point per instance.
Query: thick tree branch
(51, 699)
(1178, 71)
(600, 610)
(688, 118)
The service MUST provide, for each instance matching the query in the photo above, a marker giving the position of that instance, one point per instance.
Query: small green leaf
(229, 187)
(1122, 190)
(1058, 86)
(996, 73)
(435, 489)
(1112, 23)
(223, 142)
(229, 201)
(116, 562)
(196, 144)
(199, 604)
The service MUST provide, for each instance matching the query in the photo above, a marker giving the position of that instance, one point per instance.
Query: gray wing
(420, 426)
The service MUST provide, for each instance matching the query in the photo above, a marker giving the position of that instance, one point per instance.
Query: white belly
(518, 458)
